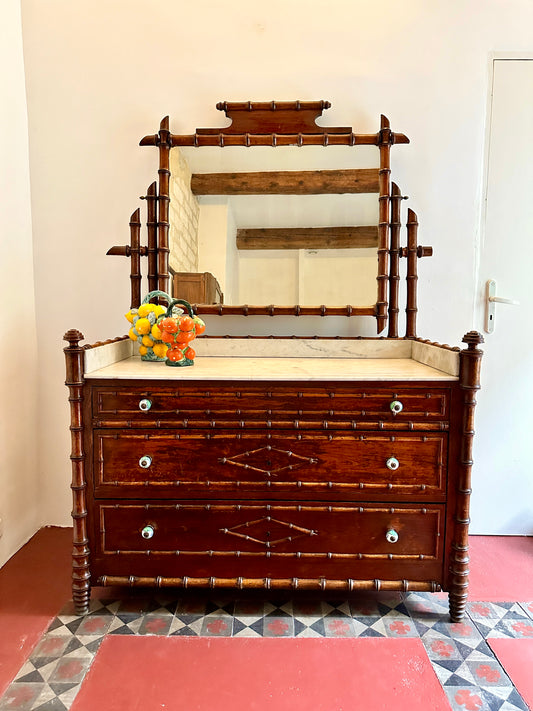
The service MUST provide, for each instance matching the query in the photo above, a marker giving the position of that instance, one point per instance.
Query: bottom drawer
(270, 540)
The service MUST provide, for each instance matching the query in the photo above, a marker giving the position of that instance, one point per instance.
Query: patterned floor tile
(336, 625)
(190, 626)
(155, 623)
(375, 629)
(51, 646)
(134, 606)
(470, 698)
(309, 632)
(483, 611)
(21, 696)
(425, 608)
(240, 630)
(528, 608)
(441, 649)
(217, 625)
(402, 627)
(124, 624)
(249, 609)
(520, 628)
(480, 699)
(465, 631)
(275, 625)
(310, 611)
(54, 704)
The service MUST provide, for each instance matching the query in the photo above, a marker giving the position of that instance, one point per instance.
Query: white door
(503, 470)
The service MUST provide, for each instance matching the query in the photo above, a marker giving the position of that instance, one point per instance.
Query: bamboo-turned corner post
(385, 139)
(164, 143)
(74, 356)
(469, 383)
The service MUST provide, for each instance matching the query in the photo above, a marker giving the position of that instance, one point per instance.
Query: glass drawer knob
(147, 532)
(145, 461)
(392, 536)
(396, 406)
(392, 464)
(145, 405)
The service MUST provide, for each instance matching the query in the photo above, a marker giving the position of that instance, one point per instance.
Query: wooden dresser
(305, 473)
(329, 464)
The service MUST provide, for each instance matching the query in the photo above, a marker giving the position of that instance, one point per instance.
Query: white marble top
(249, 368)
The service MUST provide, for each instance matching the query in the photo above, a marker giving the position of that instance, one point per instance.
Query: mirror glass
(298, 263)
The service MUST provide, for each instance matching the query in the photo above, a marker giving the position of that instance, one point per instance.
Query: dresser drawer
(271, 540)
(244, 406)
(137, 463)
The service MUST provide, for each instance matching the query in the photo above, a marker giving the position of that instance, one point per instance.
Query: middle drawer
(156, 464)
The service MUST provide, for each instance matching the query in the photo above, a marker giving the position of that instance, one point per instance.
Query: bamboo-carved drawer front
(246, 406)
(231, 464)
(280, 540)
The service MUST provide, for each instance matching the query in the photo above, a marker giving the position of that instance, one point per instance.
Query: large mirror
(274, 226)
(276, 214)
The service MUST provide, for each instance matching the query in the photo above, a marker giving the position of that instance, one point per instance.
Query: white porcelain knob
(392, 464)
(396, 406)
(147, 532)
(392, 536)
(145, 405)
(145, 461)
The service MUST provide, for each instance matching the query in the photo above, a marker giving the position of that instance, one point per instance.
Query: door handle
(490, 300)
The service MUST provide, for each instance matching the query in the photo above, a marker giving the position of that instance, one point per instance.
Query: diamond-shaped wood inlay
(269, 531)
(269, 461)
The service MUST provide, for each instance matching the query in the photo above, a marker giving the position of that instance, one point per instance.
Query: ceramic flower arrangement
(177, 332)
(165, 334)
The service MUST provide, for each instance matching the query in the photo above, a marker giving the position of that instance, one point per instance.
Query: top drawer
(272, 405)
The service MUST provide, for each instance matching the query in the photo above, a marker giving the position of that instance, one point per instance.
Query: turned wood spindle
(135, 270)
(74, 356)
(163, 225)
(385, 141)
(394, 271)
(411, 308)
(151, 226)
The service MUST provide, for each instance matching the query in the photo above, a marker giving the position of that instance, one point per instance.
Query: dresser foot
(457, 607)
(81, 600)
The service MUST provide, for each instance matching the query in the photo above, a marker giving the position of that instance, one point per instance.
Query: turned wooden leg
(81, 599)
(80, 553)
(459, 570)
(469, 370)
(457, 606)
(81, 578)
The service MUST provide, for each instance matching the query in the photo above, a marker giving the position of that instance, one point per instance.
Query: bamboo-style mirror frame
(286, 124)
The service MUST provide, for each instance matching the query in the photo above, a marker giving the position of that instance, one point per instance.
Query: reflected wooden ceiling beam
(293, 182)
(307, 237)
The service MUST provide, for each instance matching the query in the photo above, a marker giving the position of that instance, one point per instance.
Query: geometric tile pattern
(469, 672)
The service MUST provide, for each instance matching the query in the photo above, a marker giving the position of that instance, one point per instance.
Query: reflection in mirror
(275, 239)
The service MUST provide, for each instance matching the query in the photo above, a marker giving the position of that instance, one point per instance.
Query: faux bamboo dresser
(345, 467)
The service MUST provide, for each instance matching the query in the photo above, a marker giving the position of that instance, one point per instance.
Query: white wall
(214, 241)
(101, 75)
(19, 474)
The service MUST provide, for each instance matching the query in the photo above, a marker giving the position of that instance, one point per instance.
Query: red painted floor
(516, 657)
(148, 673)
(501, 568)
(34, 585)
